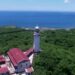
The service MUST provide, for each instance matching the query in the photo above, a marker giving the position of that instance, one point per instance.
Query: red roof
(16, 55)
(2, 59)
(4, 70)
(28, 52)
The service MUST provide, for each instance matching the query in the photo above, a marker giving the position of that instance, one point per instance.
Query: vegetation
(15, 37)
(58, 55)
(58, 49)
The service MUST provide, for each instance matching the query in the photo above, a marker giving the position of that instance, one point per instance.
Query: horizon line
(32, 11)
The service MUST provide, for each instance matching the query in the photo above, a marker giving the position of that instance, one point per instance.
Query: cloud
(66, 1)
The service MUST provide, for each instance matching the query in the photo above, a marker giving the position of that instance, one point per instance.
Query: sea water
(42, 19)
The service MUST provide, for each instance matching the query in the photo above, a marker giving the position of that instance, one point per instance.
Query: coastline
(32, 28)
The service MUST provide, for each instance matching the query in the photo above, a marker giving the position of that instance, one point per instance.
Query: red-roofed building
(4, 71)
(18, 59)
(2, 60)
(28, 52)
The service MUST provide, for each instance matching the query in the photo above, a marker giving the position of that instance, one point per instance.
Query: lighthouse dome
(37, 27)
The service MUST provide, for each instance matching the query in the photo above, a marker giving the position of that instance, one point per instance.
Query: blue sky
(37, 5)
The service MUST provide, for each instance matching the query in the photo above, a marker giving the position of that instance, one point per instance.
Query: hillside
(58, 49)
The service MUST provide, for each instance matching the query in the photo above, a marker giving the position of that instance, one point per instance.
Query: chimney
(36, 44)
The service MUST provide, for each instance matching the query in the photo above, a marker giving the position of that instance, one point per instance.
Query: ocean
(42, 19)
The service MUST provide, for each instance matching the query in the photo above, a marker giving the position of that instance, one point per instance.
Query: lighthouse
(36, 43)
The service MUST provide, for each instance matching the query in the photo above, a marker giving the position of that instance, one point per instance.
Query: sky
(37, 5)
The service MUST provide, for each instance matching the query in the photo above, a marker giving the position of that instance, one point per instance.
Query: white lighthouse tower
(36, 44)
